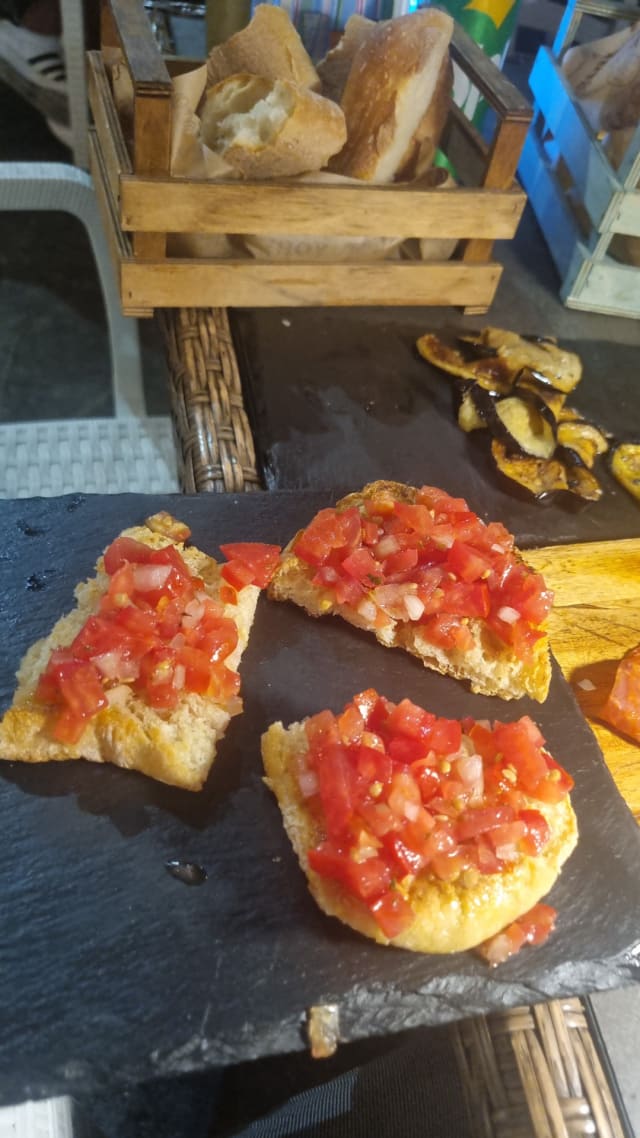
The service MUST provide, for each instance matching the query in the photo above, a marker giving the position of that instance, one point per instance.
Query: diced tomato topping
(533, 927)
(156, 629)
(400, 793)
(408, 719)
(522, 747)
(363, 567)
(414, 561)
(448, 631)
(257, 557)
(393, 914)
(467, 563)
(237, 574)
(330, 531)
(365, 879)
(537, 831)
(123, 550)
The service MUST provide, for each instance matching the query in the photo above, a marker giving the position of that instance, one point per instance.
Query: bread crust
(449, 917)
(335, 67)
(301, 130)
(490, 668)
(269, 45)
(176, 747)
(424, 143)
(391, 83)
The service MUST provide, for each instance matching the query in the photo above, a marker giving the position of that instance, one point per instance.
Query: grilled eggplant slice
(583, 482)
(490, 372)
(540, 476)
(560, 368)
(521, 426)
(497, 355)
(624, 461)
(527, 381)
(470, 418)
(582, 441)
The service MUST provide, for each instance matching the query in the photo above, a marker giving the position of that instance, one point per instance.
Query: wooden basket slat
(256, 284)
(234, 207)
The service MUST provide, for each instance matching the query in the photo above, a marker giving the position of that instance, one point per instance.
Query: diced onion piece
(470, 771)
(414, 606)
(411, 811)
(508, 615)
(193, 614)
(386, 546)
(149, 577)
(368, 610)
(114, 666)
(179, 677)
(308, 783)
(178, 641)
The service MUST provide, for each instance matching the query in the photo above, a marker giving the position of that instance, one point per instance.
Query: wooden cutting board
(595, 620)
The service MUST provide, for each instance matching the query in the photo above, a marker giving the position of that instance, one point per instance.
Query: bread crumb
(323, 1028)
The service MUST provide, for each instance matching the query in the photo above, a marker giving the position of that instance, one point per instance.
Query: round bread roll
(268, 128)
(450, 916)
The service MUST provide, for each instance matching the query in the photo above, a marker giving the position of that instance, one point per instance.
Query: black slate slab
(341, 397)
(114, 971)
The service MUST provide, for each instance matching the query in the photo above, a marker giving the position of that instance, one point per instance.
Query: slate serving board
(114, 971)
(338, 398)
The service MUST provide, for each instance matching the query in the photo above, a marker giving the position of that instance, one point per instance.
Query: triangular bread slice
(485, 658)
(177, 747)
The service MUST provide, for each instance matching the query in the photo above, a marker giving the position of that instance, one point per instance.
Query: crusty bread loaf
(176, 747)
(335, 67)
(449, 916)
(394, 77)
(269, 45)
(605, 75)
(490, 668)
(269, 128)
(427, 135)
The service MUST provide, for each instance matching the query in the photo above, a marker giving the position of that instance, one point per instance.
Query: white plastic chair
(119, 444)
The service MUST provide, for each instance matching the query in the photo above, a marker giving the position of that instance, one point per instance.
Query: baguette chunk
(486, 660)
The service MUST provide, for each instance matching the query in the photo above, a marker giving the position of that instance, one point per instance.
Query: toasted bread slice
(177, 746)
(448, 915)
(484, 658)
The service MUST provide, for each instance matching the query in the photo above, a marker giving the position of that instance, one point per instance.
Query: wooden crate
(581, 202)
(141, 203)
